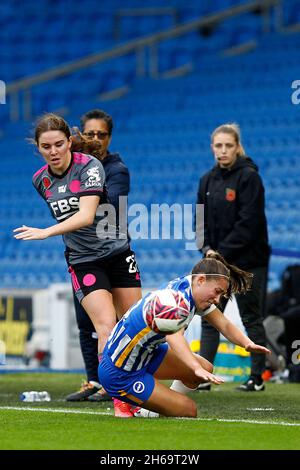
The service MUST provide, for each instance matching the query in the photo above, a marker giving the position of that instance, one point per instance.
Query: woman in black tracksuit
(235, 225)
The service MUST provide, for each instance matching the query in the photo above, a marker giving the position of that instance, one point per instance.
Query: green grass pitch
(227, 419)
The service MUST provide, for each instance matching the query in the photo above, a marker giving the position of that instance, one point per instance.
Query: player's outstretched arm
(232, 333)
(84, 217)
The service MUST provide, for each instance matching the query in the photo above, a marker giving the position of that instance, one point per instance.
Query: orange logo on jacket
(230, 194)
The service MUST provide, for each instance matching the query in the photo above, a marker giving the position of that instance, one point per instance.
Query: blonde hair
(232, 129)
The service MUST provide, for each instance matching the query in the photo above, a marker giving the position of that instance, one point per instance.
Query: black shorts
(116, 271)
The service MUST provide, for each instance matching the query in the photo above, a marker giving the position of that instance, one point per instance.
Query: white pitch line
(85, 412)
(252, 421)
(260, 409)
(54, 410)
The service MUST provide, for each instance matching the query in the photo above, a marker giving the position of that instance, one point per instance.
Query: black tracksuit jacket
(234, 214)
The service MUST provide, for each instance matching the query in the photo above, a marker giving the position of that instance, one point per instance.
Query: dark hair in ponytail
(84, 145)
(215, 265)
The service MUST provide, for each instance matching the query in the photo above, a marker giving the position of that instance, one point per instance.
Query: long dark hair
(84, 145)
(53, 122)
(214, 264)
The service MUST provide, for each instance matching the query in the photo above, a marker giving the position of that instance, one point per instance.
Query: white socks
(95, 384)
(179, 387)
(143, 413)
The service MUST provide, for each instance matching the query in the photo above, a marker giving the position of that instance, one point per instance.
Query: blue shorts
(133, 387)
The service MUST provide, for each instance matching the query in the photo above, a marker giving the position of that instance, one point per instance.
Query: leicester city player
(100, 261)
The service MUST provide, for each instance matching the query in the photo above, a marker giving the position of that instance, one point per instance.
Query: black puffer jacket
(234, 214)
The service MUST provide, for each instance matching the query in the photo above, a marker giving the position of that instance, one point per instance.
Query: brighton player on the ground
(135, 357)
(99, 260)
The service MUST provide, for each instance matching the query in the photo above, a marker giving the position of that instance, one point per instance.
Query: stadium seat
(162, 126)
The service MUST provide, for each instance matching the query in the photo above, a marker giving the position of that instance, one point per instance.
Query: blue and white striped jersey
(132, 342)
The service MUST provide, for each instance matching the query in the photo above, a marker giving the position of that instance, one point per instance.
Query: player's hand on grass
(208, 377)
(30, 233)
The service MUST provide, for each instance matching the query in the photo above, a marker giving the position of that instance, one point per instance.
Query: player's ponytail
(215, 265)
(82, 144)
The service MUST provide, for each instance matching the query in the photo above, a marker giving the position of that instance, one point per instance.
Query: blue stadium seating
(162, 127)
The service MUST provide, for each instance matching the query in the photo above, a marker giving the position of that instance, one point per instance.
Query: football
(166, 311)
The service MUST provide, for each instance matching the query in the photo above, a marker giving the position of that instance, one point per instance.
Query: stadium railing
(19, 92)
